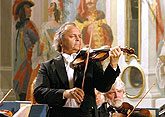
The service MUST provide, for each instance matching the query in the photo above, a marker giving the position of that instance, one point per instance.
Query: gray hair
(59, 36)
(119, 84)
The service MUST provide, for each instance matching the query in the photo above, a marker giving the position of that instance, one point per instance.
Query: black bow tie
(111, 109)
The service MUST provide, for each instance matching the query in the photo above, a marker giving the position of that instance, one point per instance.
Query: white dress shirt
(70, 71)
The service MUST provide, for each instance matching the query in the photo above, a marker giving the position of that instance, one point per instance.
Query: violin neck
(129, 51)
(105, 50)
(101, 50)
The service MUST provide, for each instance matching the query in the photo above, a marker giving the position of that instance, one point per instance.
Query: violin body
(144, 112)
(93, 56)
(118, 115)
(126, 108)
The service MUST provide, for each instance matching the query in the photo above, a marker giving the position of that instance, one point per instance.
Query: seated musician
(114, 102)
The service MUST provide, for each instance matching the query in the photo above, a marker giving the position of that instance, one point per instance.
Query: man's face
(27, 11)
(51, 9)
(115, 97)
(72, 41)
(91, 4)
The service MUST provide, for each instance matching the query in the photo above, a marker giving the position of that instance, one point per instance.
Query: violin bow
(141, 100)
(6, 95)
(87, 59)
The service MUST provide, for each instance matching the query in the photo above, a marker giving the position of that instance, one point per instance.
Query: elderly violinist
(59, 85)
(114, 105)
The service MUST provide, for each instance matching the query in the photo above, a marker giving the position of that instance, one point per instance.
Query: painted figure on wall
(160, 10)
(49, 28)
(160, 45)
(27, 48)
(47, 33)
(87, 13)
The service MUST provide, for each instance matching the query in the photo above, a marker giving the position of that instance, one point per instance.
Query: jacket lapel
(78, 76)
(59, 66)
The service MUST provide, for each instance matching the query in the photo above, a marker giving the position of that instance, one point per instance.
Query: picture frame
(133, 28)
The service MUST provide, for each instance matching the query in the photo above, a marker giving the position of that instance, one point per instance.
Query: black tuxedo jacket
(52, 80)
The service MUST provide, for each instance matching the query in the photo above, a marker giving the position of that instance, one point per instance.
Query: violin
(96, 55)
(126, 108)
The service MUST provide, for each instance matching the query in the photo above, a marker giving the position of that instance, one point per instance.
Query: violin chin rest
(77, 61)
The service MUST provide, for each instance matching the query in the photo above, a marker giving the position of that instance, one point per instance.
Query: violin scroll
(129, 51)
